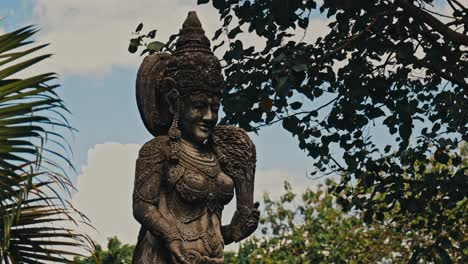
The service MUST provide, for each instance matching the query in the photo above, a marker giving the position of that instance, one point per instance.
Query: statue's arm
(226, 232)
(243, 224)
(237, 156)
(147, 189)
(149, 216)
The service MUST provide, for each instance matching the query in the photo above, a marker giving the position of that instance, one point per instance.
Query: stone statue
(192, 168)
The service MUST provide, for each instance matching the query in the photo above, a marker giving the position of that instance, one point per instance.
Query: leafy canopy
(311, 228)
(115, 253)
(381, 100)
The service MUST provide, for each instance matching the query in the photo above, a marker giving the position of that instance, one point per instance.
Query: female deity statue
(192, 168)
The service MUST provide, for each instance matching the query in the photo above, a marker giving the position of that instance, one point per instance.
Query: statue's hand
(252, 220)
(244, 222)
(177, 252)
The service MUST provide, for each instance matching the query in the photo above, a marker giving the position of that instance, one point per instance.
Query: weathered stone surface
(192, 168)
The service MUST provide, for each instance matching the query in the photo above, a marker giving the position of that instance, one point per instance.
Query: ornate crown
(191, 68)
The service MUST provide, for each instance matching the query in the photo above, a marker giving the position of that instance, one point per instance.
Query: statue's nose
(209, 116)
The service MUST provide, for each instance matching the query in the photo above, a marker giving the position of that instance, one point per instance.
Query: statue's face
(199, 117)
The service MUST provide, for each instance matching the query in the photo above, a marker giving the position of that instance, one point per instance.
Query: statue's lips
(204, 127)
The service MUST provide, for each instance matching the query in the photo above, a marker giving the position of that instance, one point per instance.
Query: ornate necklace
(204, 162)
(196, 154)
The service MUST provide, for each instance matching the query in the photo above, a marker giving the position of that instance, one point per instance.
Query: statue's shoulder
(234, 136)
(148, 169)
(234, 149)
(157, 149)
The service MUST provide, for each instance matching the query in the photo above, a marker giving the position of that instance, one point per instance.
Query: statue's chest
(201, 184)
(197, 187)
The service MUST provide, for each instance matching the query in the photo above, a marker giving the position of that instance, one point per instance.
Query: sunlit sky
(89, 40)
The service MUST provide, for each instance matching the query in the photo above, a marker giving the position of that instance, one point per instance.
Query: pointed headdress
(191, 68)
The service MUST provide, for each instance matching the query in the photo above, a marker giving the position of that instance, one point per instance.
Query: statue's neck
(195, 147)
(198, 153)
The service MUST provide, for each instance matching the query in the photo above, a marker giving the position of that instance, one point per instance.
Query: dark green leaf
(155, 46)
(217, 33)
(139, 27)
(296, 105)
(303, 23)
(441, 156)
(152, 33)
(300, 67)
(405, 130)
(134, 43)
(218, 46)
(233, 33)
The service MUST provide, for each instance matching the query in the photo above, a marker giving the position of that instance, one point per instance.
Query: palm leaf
(35, 218)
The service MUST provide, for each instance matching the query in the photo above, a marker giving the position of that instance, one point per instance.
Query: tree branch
(457, 3)
(347, 42)
(436, 68)
(451, 5)
(434, 23)
(444, 75)
(298, 113)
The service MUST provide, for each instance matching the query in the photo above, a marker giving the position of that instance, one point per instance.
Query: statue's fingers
(252, 224)
(255, 214)
(181, 259)
(174, 259)
(177, 256)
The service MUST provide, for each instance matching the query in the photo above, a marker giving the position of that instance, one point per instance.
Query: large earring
(174, 132)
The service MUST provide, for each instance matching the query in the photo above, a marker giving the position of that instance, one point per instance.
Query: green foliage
(230, 257)
(116, 253)
(147, 42)
(387, 69)
(33, 213)
(313, 229)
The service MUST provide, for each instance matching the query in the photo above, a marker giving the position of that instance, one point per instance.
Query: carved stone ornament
(192, 168)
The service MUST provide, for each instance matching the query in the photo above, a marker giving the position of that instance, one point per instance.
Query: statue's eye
(215, 107)
(198, 105)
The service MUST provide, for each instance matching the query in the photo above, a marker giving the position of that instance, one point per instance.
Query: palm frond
(35, 218)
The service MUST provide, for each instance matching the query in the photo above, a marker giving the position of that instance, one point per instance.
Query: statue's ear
(172, 96)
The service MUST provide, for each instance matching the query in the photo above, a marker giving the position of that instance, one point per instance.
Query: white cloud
(90, 37)
(272, 182)
(105, 187)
